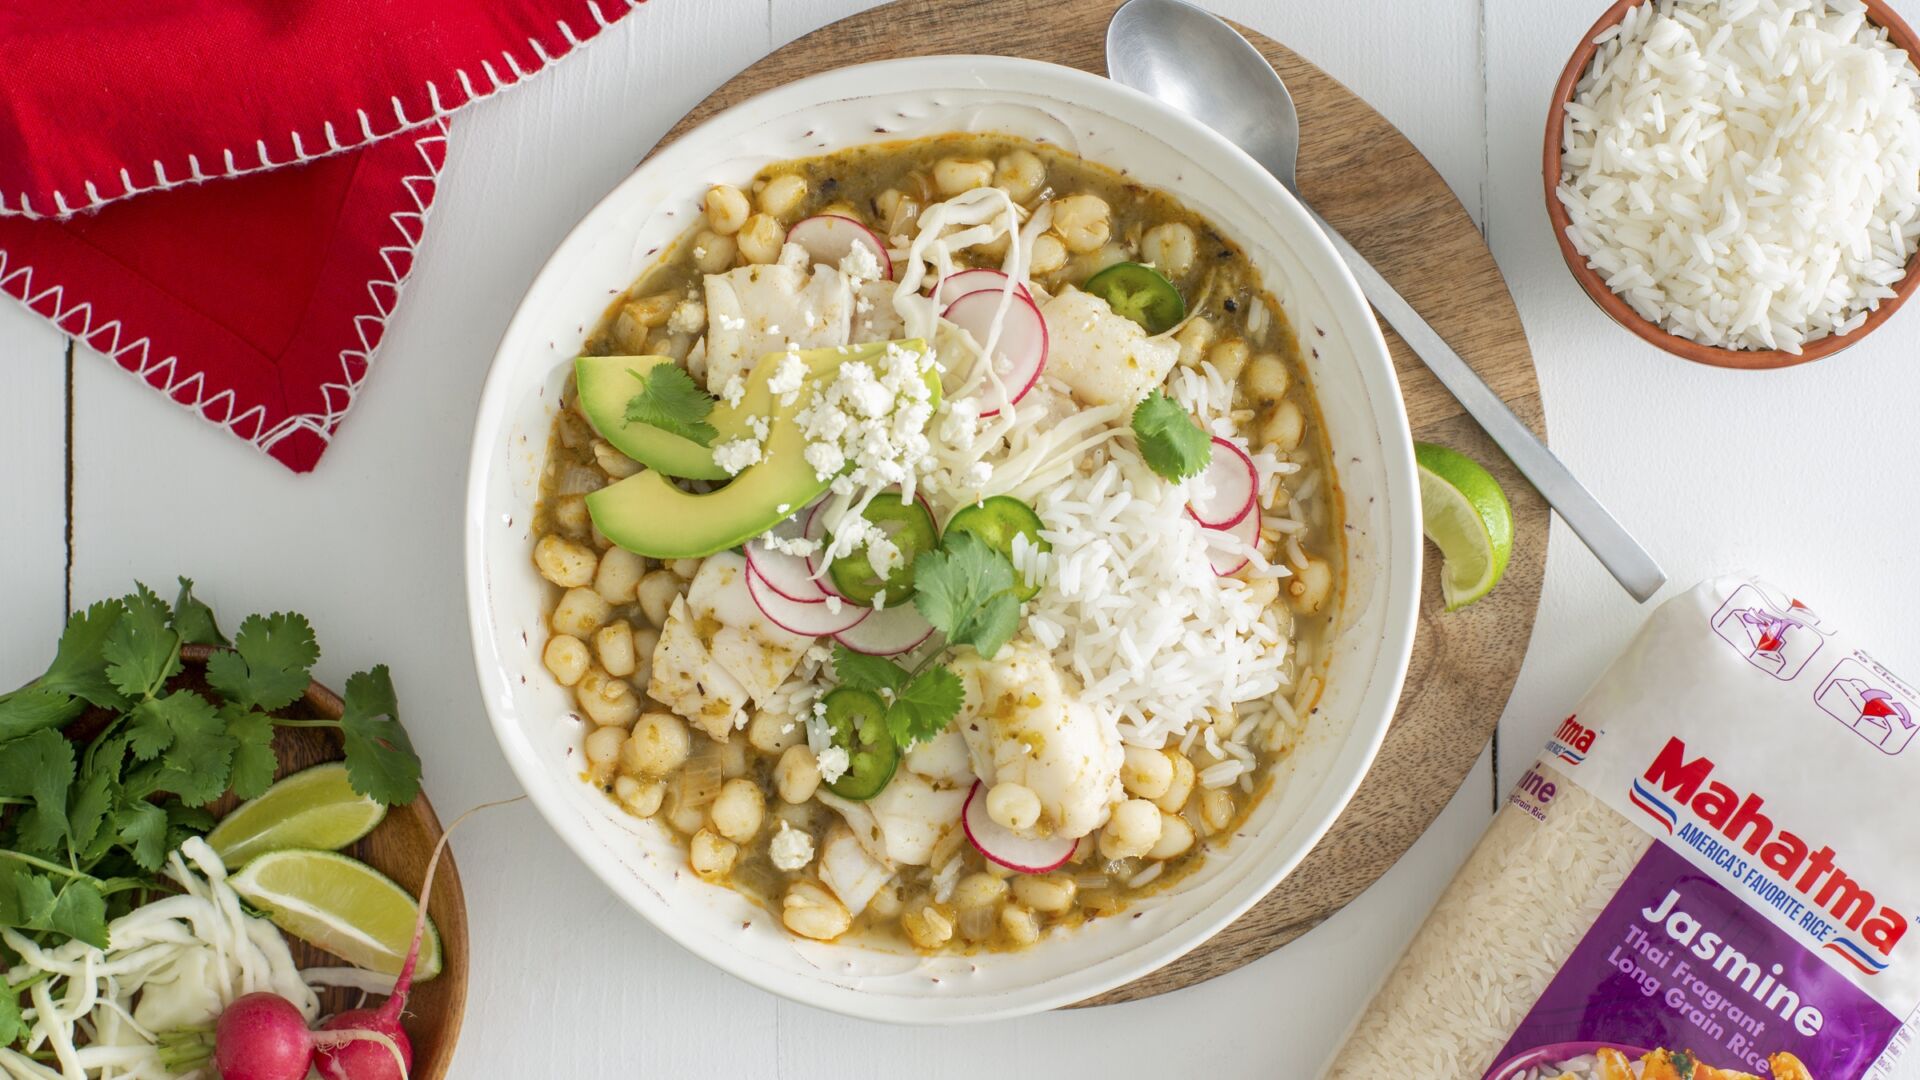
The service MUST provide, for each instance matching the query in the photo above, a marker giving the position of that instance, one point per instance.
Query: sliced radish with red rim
(812, 620)
(1020, 352)
(789, 575)
(889, 631)
(1233, 484)
(1224, 548)
(1009, 848)
(830, 238)
(954, 286)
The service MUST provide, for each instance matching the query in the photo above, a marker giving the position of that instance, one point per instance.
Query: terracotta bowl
(1880, 14)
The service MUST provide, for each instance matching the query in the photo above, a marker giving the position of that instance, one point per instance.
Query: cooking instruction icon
(1777, 638)
(1859, 697)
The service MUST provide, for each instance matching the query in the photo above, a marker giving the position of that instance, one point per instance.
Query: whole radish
(262, 1036)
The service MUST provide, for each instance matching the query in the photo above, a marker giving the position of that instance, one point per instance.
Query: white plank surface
(33, 486)
(1796, 474)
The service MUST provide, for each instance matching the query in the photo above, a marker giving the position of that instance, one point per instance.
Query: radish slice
(888, 632)
(1020, 352)
(788, 575)
(1234, 481)
(954, 286)
(1223, 545)
(830, 238)
(813, 620)
(1009, 848)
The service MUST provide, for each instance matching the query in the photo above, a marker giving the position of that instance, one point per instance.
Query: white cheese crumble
(833, 763)
(790, 848)
(688, 317)
(735, 455)
(724, 321)
(860, 265)
(733, 390)
(788, 376)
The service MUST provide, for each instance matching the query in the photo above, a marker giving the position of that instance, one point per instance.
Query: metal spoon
(1195, 62)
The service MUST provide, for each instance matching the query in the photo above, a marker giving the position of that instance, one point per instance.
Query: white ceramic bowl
(1359, 399)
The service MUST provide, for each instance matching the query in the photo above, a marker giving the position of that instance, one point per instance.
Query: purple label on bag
(1678, 963)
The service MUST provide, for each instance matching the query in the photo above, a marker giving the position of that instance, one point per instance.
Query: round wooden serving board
(1376, 188)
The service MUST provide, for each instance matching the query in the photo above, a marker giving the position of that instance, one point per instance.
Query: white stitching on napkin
(190, 391)
(21, 205)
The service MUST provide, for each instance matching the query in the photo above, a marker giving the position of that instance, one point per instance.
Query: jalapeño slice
(858, 719)
(997, 521)
(910, 527)
(1141, 293)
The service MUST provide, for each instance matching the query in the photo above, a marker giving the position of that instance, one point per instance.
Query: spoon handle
(1609, 541)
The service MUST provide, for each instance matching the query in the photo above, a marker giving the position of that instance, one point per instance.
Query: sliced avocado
(648, 515)
(607, 383)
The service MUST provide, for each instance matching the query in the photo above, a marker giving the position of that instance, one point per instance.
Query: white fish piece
(1103, 358)
(943, 757)
(1023, 726)
(874, 316)
(860, 820)
(687, 679)
(914, 815)
(847, 869)
(755, 310)
(758, 652)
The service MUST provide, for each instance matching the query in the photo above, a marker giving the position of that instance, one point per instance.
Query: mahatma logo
(1572, 740)
(1867, 701)
(1674, 783)
(1776, 636)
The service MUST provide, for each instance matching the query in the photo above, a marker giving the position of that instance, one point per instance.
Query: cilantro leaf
(87, 810)
(186, 822)
(1172, 444)
(29, 709)
(190, 742)
(960, 589)
(78, 911)
(924, 707)
(253, 759)
(79, 665)
(863, 672)
(141, 828)
(39, 767)
(13, 1027)
(270, 663)
(670, 400)
(157, 723)
(193, 619)
(141, 650)
(381, 763)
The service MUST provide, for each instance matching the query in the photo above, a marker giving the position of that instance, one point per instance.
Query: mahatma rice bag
(1712, 872)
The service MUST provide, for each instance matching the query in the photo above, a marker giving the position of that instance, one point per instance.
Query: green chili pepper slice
(1141, 293)
(910, 526)
(997, 521)
(858, 720)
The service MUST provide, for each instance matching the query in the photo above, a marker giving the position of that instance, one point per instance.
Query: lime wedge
(342, 905)
(1465, 514)
(314, 808)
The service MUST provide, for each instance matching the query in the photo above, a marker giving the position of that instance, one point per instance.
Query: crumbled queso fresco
(876, 420)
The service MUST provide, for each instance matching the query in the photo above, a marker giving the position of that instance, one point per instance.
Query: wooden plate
(1372, 185)
(398, 848)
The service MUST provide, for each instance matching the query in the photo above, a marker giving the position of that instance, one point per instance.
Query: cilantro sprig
(965, 588)
(85, 825)
(670, 400)
(1171, 442)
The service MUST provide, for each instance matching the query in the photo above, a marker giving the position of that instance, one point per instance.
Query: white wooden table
(1806, 475)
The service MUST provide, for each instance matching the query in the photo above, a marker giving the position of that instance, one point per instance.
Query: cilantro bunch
(85, 827)
(965, 588)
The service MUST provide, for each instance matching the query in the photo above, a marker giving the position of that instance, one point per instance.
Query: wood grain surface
(400, 848)
(1373, 185)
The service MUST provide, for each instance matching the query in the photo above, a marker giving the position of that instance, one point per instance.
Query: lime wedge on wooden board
(315, 808)
(1465, 514)
(342, 905)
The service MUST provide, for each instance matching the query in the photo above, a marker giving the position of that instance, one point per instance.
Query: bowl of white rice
(1738, 181)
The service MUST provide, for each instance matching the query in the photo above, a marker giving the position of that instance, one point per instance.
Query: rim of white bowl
(1400, 553)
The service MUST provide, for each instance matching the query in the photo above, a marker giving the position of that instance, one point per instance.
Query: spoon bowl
(1152, 46)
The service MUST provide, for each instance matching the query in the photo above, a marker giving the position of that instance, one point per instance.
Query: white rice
(1746, 173)
(1511, 917)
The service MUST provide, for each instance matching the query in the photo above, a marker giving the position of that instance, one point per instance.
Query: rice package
(1713, 872)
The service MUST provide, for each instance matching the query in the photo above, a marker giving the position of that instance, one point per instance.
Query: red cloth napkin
(225, 196)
